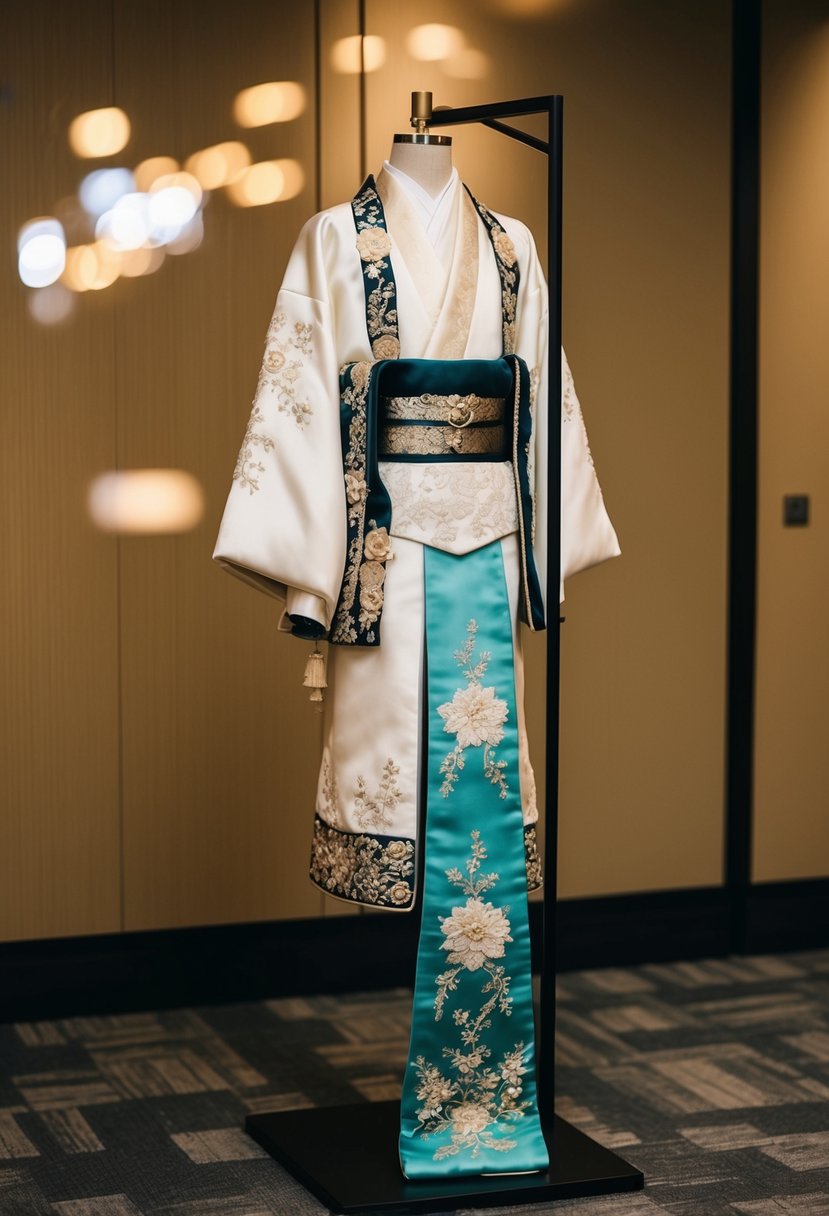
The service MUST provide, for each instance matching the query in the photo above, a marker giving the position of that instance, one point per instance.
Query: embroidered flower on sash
(474, 933)
(474, 1098)
(355, 488)
(377, 544)
(476, 717)
(373, 244)
(385, 347)
(504, 247)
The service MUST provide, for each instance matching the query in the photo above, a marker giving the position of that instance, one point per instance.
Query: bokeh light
(51, 305)
(346, 57)
(100, 132)
(41, 251)
(215, 166)
(267, 181)
(434, 42)
(151, 169)
(274, 101)
(146, 260)
(91, 267)
(145, 501)
(101, 189)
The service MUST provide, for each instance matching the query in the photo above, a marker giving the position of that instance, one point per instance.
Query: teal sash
(469, 1102)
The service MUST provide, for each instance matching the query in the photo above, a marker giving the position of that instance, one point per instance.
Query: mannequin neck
(430, 165)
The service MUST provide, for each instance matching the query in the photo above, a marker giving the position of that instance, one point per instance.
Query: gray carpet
(712, 1077)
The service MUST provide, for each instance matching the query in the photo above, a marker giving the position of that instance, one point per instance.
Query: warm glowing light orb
(145, 502)
(215, 166)
(146, 260)
(274, 101)
(346, 58)
(41, 251)
(99, 132)
(127, 225)
(91, 267)
(153, 167)
(267, 181)
(189, 237)
(433, 42)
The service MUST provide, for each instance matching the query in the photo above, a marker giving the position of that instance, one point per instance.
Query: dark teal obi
(425, 410)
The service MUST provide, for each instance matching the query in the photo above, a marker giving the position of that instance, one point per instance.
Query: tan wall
(157, 758)
(646, 332)
(792, 708)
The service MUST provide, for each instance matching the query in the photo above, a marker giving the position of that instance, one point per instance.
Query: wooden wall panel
(646, 239)
(791, 831)
(220, 742)
(59, 870)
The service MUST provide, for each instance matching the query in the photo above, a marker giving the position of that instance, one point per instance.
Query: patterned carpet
(711, 1076)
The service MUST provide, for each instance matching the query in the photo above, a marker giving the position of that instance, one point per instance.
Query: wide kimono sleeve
(587, 535)
(284, 525)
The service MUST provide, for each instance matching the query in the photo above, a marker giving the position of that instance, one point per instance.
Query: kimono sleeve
(587, 535)
(284, 525)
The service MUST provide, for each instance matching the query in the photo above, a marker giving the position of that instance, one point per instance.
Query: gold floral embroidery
(570, 407)
(476, 717)
(368, 551)
(442, 441)
(247, 469)
(532, 858)
(472, 1098)
(535, 377)
(366, 869)
(329, 793)
(374, 247)
(436, 504)
(376, 812)
(280, 372)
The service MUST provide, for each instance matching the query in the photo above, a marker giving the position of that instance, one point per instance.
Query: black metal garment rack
(347, 1155)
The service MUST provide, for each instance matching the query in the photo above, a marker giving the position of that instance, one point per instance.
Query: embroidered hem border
(378, 871)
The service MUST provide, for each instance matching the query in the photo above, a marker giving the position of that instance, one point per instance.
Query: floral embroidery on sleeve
(476, 717)
(247, 469)
(280, 371)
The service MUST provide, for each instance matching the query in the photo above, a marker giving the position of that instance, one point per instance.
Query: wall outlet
(795, 510)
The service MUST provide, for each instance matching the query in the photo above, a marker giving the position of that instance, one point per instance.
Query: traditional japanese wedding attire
(391, 488)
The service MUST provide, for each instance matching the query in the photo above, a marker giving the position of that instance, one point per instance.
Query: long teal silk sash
(469, 1102)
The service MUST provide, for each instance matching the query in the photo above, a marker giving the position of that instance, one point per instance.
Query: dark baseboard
(123, 972)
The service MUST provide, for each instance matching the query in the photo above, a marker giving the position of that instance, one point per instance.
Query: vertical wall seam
(742, 511)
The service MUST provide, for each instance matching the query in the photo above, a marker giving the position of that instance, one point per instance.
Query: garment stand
(348, 1155)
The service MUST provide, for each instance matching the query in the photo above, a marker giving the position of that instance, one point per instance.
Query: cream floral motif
(532, 859)
(473, 1099)
(504, 247)
(363, 868)
(376, 812)
(365, 571)
(476, 717)
(456, 506)
(571, 409)
(247, 469)
(329, 792)
(280, 371)
(474, 933)
(374, 246)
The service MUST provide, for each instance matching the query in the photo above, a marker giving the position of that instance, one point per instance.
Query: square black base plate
(347, 1156)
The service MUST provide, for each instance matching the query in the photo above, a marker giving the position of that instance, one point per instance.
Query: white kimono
(284, 527)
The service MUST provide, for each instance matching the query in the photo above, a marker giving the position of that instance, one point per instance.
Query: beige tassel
(315, 674)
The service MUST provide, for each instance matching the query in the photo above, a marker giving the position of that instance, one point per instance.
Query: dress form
(425, 158)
